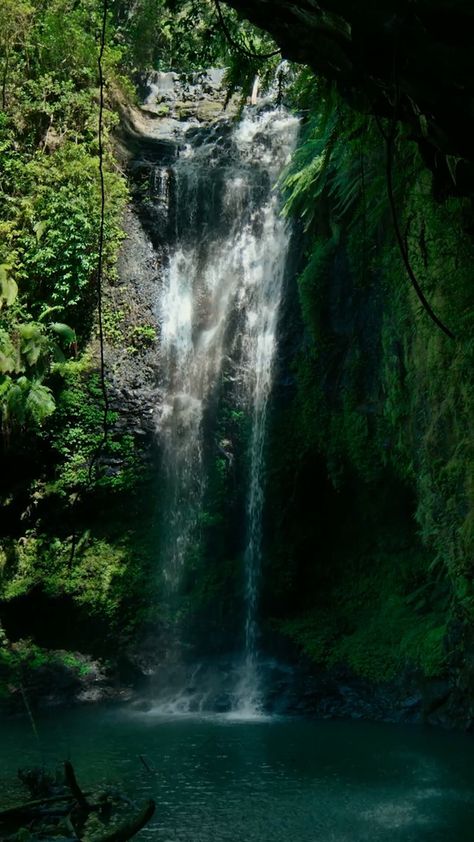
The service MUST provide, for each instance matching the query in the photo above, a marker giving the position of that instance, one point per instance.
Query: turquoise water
(218, 780)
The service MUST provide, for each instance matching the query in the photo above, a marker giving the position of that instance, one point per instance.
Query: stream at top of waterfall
(217, 779)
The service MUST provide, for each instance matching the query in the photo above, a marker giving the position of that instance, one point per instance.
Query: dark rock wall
(409, 60)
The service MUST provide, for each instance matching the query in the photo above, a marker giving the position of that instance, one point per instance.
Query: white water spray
(220, 298)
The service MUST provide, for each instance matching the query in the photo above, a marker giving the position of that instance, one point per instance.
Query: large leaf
(24, 399)
(39, 402)
(9, 361)
(57, 353)
(33, 342)
(40, 228)
(15, 400)
(48, 311)
(64, 331)
(8, 287)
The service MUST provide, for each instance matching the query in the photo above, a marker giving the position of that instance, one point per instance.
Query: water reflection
(220, 779)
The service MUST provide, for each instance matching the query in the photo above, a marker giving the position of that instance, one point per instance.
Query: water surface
(281, 780)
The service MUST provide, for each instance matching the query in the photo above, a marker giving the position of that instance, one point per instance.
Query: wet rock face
(68, 678)
(175, 111)
(132, 334)
(337, 693)
(179, 113)
(172, 104)
(187, 98)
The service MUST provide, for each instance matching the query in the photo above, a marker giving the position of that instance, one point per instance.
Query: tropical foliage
(378, 386)
(369, 526)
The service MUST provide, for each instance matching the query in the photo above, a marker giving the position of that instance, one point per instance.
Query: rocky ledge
(149, 139)
(65, 679)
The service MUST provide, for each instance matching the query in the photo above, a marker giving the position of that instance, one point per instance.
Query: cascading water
(264, 272)
(223, 257)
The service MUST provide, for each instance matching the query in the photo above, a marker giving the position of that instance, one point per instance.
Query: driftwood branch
(71, 780)
(31, 806)
(128, 829)
(146, 765)
(76, 811)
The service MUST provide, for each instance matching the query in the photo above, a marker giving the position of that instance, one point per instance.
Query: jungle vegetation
(370, 529)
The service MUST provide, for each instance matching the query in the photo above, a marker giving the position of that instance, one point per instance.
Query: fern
(341, 159)
(27, 351)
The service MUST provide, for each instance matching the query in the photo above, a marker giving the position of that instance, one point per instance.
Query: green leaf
(40, 228)
(57, 353)
(40, 402)
(49, 310)
(64, 331)
(8, 354)
(9, 287)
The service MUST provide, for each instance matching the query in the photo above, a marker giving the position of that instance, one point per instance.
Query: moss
(144, 336)
(112, 320)
(76, 434)
(435, 447)
(382, 620)
(311, 286)
(19, 662)
(105, 569)
(381, 416)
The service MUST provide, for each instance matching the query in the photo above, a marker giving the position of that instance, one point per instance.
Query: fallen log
(146, 764)
(31, 806)
(75, 812)
(128, 829)
(71, 781)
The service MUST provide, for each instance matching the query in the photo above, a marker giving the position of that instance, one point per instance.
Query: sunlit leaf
(9, 287)
(40, 228)
(64, 331)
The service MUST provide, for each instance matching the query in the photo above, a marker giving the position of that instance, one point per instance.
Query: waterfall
(224, 248)
(264, 273)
